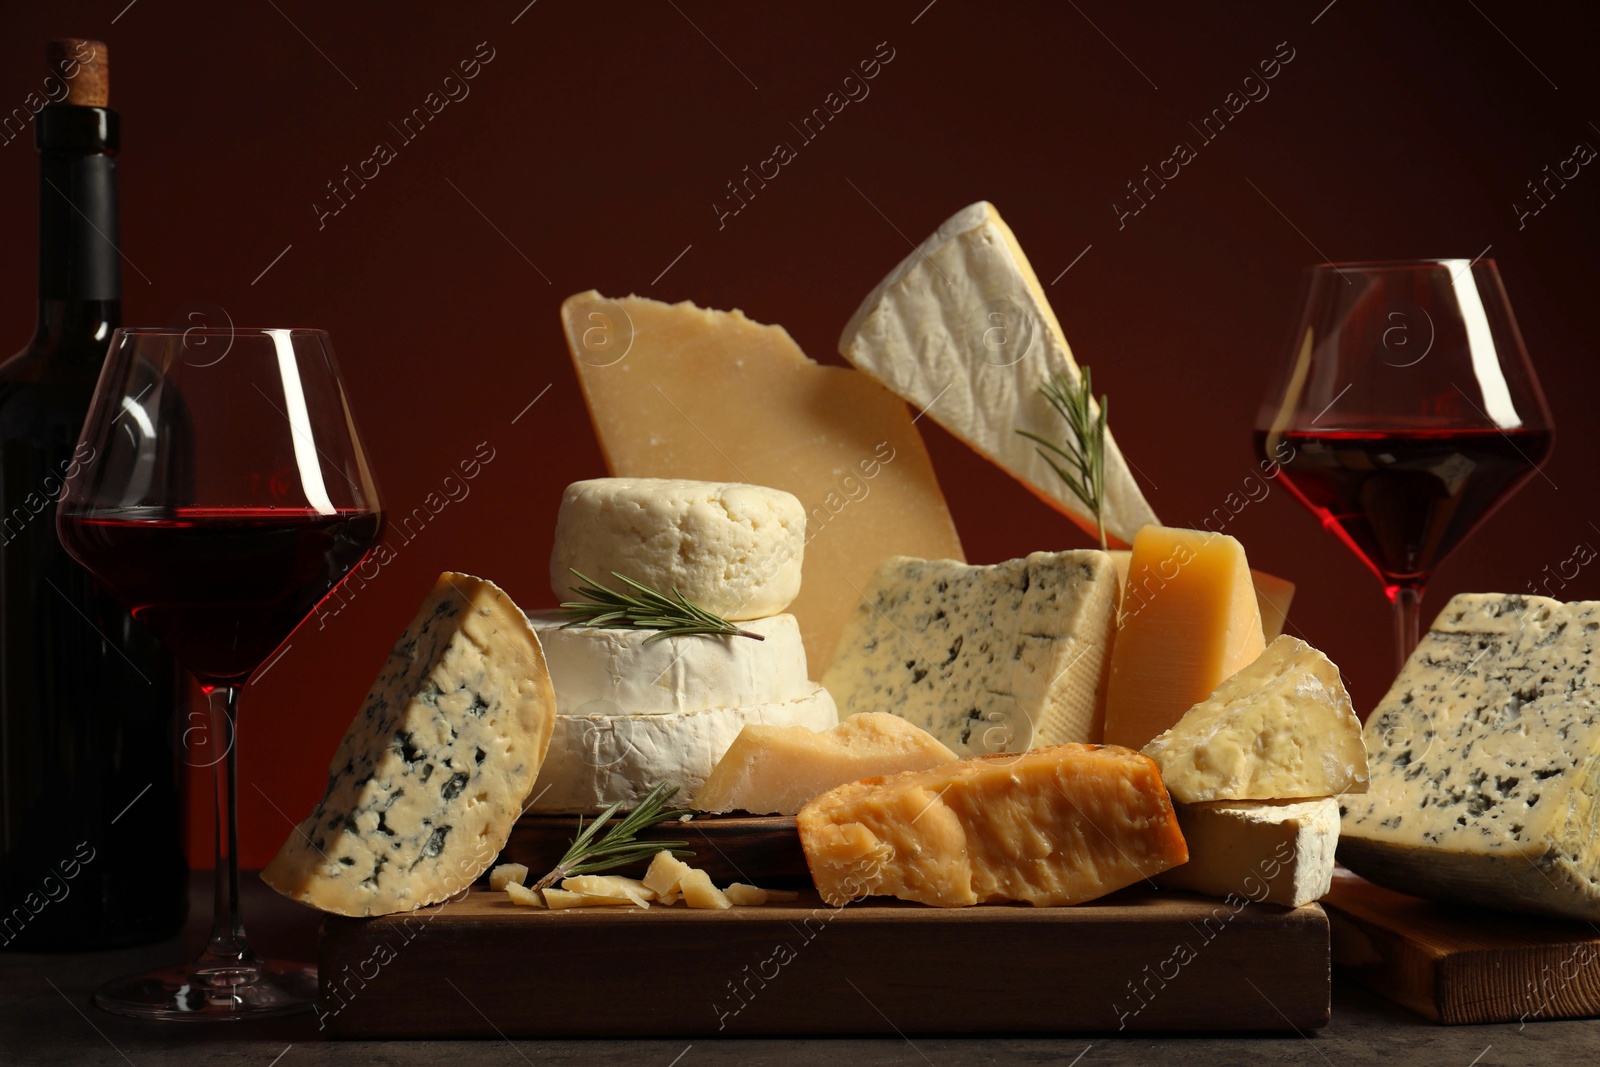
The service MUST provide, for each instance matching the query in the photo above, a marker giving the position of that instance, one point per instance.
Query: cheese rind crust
(596, 760)
(604, 670)
(431, 775)
(1280, 729)
(730, 548)
(1057, 825)
(1485, 761)
(962, 330)
(1280, 853)
(986, 658)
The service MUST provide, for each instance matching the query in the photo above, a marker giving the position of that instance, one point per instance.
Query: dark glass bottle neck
(80, 266)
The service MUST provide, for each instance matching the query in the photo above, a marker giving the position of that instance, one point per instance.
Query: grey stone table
(46, 1018)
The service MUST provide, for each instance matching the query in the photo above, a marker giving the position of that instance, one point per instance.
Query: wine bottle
(91, 839)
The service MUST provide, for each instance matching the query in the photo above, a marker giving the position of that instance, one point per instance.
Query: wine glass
(1405, 412)
(223, 494)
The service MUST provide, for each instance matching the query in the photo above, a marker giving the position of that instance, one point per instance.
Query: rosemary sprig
(638, 607)
(591, 851)
(1084, 453)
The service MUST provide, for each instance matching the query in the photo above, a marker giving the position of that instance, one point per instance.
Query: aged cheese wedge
(424, 788)
(776, 769)
(987, 659)
(1056, 825)
(1280, 729)
(733, 549)
(1189, 620)
(601, 759)
(521, 894)
(962, 330)
(1280, 852)
(612, 886)
(1273, 594)
(679, 392)
(698, 891)
(1486, 762)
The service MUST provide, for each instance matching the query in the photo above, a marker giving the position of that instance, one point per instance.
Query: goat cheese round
(730, 548)
(610, 671)
(597, 760)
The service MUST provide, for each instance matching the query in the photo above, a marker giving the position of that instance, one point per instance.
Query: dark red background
(599, 136)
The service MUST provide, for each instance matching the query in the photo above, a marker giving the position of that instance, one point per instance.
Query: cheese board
(1138, 960)
(1457, 964)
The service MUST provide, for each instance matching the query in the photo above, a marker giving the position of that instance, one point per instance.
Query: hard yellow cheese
(1282, 728)
(1189, 620)
(1273, 594)
(1055, 825)
(776, 769)
(677, 391)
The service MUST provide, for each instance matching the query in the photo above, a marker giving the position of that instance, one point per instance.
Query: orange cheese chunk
(1055, 825)
(1189, 620)
(1273, 594)
(677, 391)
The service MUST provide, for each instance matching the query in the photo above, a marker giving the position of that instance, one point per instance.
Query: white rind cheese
(962, 330)
(1277, 852)
(733, 549)
(987, 659)
(1485, 759)
(597, 760)
(1280, 729)
(424, 789)
(601, 671)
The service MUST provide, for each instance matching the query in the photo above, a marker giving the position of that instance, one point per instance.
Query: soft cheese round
(732, 549)
(606, 671)
(597, 760)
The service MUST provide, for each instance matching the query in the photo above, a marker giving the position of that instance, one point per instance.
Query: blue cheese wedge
(986, 659)
(1485, 762)
(424, 789)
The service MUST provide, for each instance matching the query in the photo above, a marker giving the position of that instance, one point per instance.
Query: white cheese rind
(424, 789)
(962, 330)
(1280, 853)
(730, 548)
(605, 671)
(597, 760)
(1485, 758)
(985, 658)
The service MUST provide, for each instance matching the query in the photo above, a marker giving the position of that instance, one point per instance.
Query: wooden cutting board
(482, 967)
(1462, 965)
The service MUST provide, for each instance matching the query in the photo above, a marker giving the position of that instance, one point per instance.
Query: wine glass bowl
(1406, 412)
(223, 493)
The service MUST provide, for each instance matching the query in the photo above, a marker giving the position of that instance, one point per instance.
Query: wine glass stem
(1407, 601)
(228, 942)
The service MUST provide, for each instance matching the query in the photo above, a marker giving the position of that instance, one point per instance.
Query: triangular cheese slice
(962, 330)
(677, 391)
(432, 774)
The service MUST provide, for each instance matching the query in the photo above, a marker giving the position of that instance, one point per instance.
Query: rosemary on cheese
(638, 607)
(592, 852)
(1081, 459)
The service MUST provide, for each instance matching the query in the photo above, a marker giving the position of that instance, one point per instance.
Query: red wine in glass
(1406, 412)
(225, 493)
(222, 587)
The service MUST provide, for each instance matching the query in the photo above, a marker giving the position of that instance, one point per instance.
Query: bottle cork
(86, 67)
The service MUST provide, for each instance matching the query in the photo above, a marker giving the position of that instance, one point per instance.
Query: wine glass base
(213, 991)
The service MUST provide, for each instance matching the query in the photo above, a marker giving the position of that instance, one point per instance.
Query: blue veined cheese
(424, 789)
(987, 659)
(1485, 761)
(600, 759)
(610, 670)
